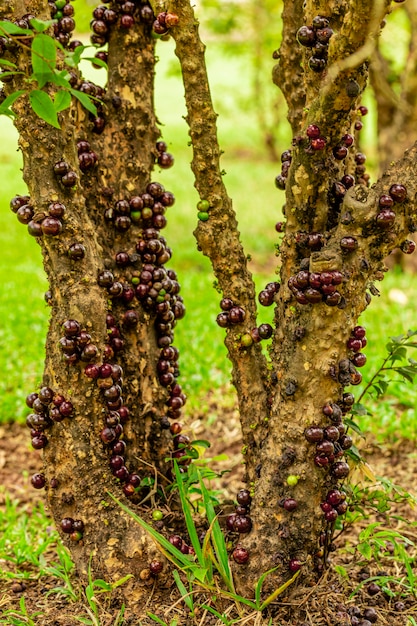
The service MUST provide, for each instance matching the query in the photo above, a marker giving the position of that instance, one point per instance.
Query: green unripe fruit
(203, 216)
(157, 515)
(60, 4)
(203, 205)
(136, 216)
(58, 15)
(246, 340)
(292, 480)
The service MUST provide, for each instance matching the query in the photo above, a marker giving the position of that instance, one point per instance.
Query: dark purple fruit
(294, 565)
(39, 441)
(348, 244)
(242, 524)
(71, 328)
(243, 497)
(317, 64)
(156, 567)
(61, 168)
(165, 160)
(340, 469)
(35, 229)
(306, 36)
(38, 481)
(67, 525)
(240, 555)
(340, 152)
(265, 331)
(24, 214)
(314, 434)
(51, 226)
(76, 251)
(373, 589)
(359, 332)
(359, 359)
(289, 504)
(331, 516)
(70, 179)
(385, 201)
(176, 541)
(398, 192)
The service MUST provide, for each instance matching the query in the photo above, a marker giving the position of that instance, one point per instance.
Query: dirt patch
(329, 603)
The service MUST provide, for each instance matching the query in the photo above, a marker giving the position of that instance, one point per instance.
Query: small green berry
(292, 480)
(246, 340)
(58, 15)
(203, 216)
(60, 4)
(135, 216)
(157, 515)
(203, 205)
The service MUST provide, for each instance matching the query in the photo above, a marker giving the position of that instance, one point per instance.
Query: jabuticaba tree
(107, 413)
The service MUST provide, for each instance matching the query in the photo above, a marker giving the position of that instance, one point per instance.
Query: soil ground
(328, 603)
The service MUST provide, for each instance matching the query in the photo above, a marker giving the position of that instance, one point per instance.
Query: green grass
(26, 536)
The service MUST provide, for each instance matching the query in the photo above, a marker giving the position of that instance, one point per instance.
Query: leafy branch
(43, 49)
(397, 351)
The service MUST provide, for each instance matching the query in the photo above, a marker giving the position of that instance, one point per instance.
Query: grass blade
(278, 591)
(186, 596)
(177, 557)
(217, 539)
(189, 518)
(259, 584)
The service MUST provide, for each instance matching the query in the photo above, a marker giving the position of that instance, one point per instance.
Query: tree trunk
(105, 346)
(114, 304)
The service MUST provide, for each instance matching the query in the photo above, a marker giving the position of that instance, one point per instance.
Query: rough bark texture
(76, 462)
(277, 400)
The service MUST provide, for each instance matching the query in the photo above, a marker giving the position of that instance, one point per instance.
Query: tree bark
(76, 460)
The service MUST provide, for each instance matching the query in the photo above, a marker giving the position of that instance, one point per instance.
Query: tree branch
(218, 237)
(288, 74)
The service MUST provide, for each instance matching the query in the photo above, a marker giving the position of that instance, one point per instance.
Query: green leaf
(366, 550)
(60, 79)
(10, 28)
(121, 581)
(73, 58)
(85, 101)
(202, 443)
(7, 63)
(217, 538)
(40, 25)
(360, 409)
(342, 571)
(156, 619)
(354, 454)
(62, 100)
(181, 560)
(354, 426)
(259, 584)
(188, 599)
(189, 518)
(7, 103)
(43, 106)
(96, 61)
(43, 58)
